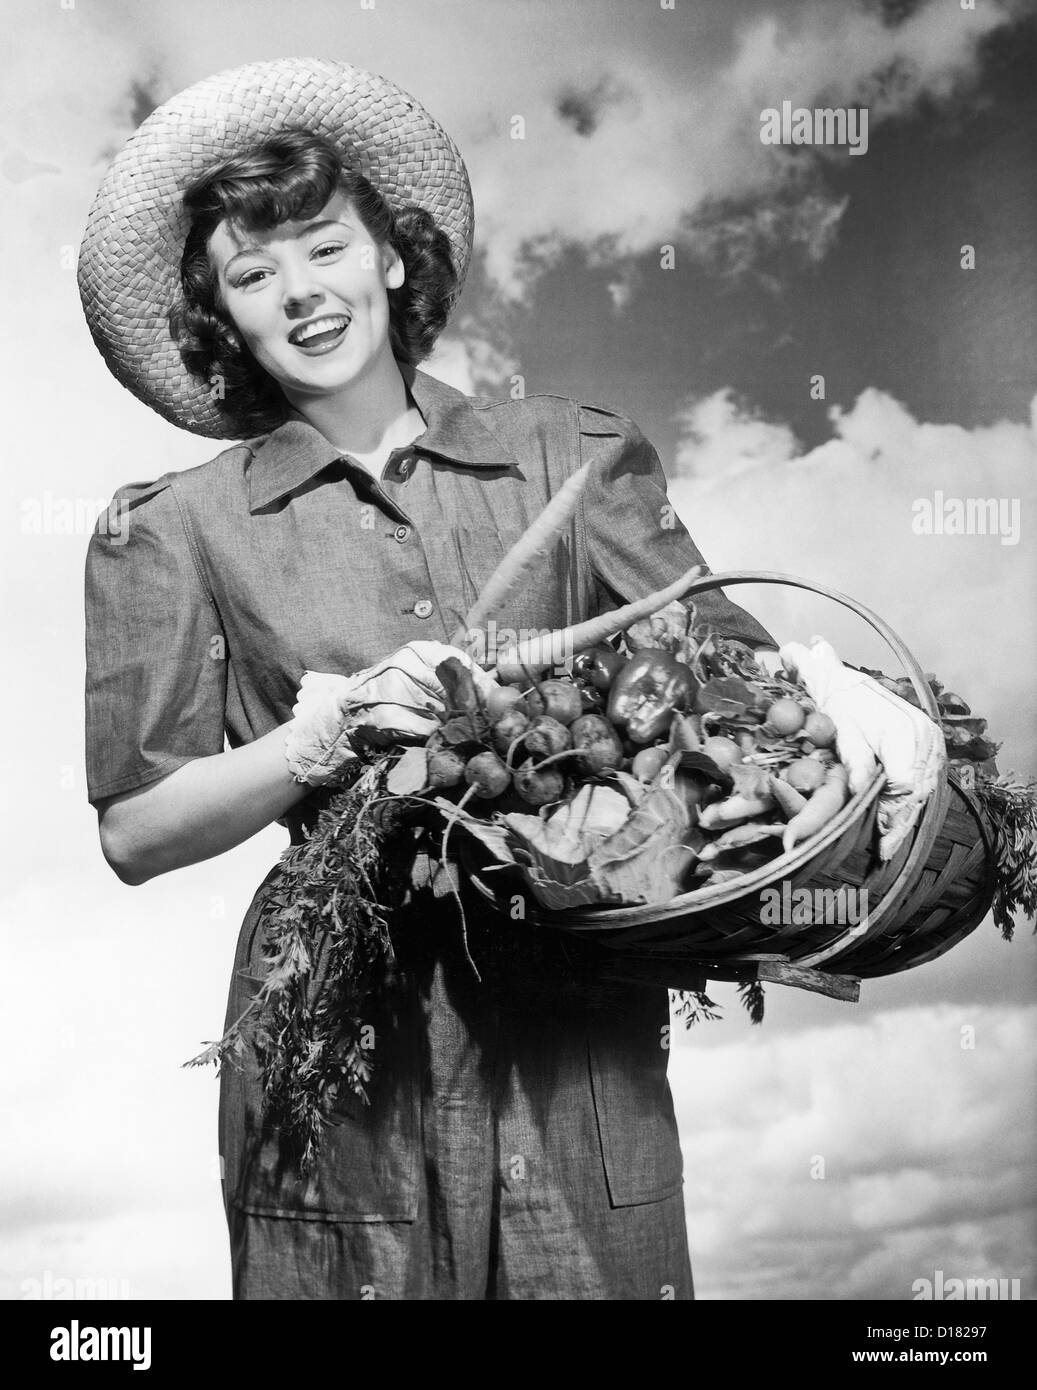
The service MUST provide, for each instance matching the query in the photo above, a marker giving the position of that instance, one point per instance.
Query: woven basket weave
(935, 889)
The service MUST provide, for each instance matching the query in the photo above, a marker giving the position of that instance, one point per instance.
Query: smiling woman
(520, 1140)
(286, 240)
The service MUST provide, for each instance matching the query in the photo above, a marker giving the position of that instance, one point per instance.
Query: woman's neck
(369, 418)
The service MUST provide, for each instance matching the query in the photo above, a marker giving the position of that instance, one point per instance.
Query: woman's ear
(394, 271)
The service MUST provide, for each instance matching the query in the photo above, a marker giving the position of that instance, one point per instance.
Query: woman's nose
(300, 289)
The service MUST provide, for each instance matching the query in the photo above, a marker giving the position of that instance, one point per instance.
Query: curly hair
(291, 176)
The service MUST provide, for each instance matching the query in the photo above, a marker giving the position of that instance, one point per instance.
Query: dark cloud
(143, 99)
(137, 103)
(894, 12)
(583, 108)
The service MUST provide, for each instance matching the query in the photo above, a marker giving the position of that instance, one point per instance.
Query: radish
(510, 726)
(596, 739)
(445, 768)
(546, 736)
(487, 775)
(539, 788)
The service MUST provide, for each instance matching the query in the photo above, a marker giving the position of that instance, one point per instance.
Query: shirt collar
(296, 450)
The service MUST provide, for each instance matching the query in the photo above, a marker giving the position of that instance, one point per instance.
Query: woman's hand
(211, 804)
(400, 695)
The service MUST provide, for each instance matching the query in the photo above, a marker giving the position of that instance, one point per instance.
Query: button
(405, 467)
(423, 608)
(401, 533)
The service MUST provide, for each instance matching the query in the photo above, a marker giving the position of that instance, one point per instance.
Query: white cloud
(467, 359)
(720, 438)
(926, 1149)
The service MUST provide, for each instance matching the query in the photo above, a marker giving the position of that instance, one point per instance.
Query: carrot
(538, 652)
(531, 548)
(738, 837)
(790, 800)
(823, 806)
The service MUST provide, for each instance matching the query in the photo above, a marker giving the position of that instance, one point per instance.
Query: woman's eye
(329, 248)
(250, 278)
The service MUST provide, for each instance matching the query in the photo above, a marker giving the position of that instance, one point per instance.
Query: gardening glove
(399, 696)
(874, 726)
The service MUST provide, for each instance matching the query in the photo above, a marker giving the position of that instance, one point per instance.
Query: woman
(520, 1141)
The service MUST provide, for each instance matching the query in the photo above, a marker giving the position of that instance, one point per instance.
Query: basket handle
(911, 666)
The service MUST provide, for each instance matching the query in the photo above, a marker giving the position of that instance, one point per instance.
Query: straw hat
(129, 262)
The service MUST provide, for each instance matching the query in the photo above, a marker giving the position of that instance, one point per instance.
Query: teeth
(324, 325)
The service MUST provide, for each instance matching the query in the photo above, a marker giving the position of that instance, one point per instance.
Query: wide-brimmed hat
(129, 261)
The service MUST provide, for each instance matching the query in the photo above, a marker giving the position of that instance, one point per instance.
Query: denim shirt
(227, 581)
(223, 583)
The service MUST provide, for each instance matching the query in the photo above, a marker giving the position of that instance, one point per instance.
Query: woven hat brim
(129, 261)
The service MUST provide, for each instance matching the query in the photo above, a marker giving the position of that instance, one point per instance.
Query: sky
(640, 248)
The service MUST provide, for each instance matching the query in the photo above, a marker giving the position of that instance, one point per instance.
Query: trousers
(520, 1142)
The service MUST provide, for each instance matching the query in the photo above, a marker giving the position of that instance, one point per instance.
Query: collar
(296, 450)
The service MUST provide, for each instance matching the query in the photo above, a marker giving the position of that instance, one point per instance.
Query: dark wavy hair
(291, 176)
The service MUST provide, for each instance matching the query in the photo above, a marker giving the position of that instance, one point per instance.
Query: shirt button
(423, 608)
(405, 467)
(401, 533)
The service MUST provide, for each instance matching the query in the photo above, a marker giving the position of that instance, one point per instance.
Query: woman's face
(309, 297)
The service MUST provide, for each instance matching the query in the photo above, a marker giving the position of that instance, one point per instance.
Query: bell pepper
(646, 692)
(599, 666)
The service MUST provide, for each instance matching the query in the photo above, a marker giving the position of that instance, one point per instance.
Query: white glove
(399, 695)
(874, 726)
(769, 659)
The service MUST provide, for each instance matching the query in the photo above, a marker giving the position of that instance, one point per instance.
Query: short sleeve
(636, 543)
(155, 650)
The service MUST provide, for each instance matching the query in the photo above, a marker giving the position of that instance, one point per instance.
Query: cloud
(848, 1161)
(732, 242)
(584, 107)
(651, 153)
(721, 438)
(847, 513)
(655, 141)
(469, 360)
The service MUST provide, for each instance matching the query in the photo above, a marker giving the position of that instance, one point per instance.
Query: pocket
(369, 1160)
(544, 599)
(640, 1144)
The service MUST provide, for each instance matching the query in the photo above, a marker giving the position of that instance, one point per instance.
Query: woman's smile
(320, 335)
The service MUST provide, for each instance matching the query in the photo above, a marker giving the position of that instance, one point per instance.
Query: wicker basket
(934, 891)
